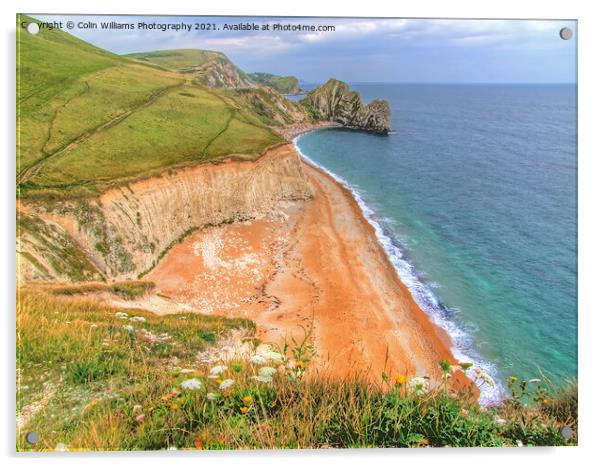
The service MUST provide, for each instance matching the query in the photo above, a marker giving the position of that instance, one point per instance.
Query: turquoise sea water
(474, 199)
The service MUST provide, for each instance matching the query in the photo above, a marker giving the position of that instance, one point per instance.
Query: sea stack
(334, 101)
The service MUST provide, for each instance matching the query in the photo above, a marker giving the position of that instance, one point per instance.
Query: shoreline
(316, 263)
(434, 337)
(424, 297)
(293, 131)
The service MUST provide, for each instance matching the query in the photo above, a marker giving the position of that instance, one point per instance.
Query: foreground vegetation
(95, 377)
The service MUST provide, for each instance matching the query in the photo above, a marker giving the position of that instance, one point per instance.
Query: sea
(474, 198)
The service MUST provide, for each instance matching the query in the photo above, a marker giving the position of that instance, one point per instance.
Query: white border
(590, 231)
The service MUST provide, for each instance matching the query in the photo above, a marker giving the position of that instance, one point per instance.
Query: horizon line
(509, 83)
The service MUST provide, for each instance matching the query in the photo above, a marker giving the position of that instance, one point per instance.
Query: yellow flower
(400, 379)
(218, 381)
(248, 399)
(174, 407)
(299, 364)
(545, 401)
(244, 409)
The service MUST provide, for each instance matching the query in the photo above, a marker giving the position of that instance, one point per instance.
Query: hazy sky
(365, 50)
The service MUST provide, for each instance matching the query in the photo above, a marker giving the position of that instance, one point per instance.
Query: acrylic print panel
(267, 232)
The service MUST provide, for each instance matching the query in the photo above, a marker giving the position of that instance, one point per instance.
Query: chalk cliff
(125, 231)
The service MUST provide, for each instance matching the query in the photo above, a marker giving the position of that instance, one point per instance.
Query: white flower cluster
(191, 384)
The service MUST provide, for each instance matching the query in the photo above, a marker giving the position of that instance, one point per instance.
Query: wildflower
(299, 364)
(519, 443)
(273, 356)
(137, 319)
(464, 412)
(419, 384)
(545, 401)
(247, 399)
(212, 396)
(534, 380)
(187, 371)
(93, 326)
(257, 359)
(140, 418)
(501, 421)
(263, 378)
(174, 407)
(218, 370)
(512, 378)
(226, 384)
(121, 315)
(136, 408)
(61, 447)
(129, 328)
(267, 371)
(400, 379)
(191, 384)
(244, 409)
(91, 405)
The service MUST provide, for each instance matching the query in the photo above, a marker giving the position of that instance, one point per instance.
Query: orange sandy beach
(315, 264)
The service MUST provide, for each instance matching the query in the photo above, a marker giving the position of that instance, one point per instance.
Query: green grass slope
(282, 84)
(207, 67)
(89, 119)
(176, 60)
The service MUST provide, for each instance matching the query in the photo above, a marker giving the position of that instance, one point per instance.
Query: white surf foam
(462, 342)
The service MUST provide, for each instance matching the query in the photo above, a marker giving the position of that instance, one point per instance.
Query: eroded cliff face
(124, 232)
(334, 101)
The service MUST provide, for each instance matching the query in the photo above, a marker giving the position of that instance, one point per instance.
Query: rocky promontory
(334, 101)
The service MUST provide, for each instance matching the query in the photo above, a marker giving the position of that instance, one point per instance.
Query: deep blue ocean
(474, 198)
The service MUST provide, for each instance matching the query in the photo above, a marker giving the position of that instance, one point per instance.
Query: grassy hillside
(282, 84)
(209, 68)
(93, 377)
(176, 60)
(89, 119)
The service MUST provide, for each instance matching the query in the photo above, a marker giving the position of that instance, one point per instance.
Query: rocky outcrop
(219, 72)
(125, 231)
(271, 107)
(334, 101)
